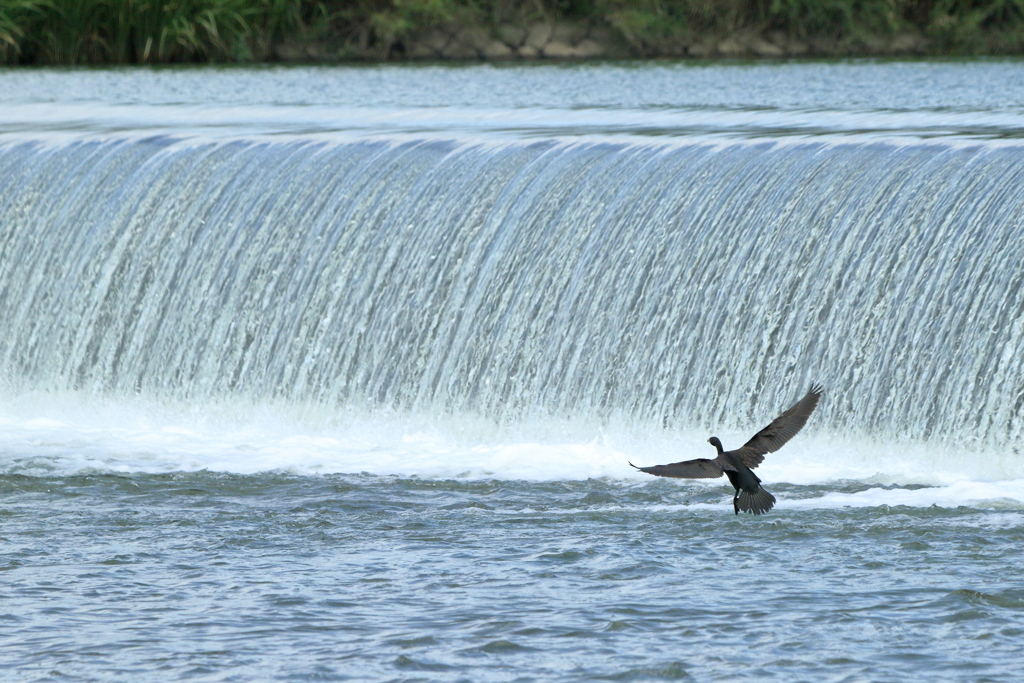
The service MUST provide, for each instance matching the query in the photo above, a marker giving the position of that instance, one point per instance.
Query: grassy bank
(160, 31)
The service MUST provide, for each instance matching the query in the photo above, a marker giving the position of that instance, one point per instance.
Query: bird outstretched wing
(701, 468)
(782, 429)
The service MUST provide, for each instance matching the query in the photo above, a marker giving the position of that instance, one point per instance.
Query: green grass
(154, 31)
(127, 31)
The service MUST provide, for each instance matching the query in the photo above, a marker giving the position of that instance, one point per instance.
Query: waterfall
(675, 283)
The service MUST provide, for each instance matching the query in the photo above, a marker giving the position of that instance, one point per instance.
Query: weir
(677, 284)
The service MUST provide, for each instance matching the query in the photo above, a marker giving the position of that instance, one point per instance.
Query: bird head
(716, 443)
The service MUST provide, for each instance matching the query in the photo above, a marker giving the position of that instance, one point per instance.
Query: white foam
(1001, 494)
(46, 433)
(73, 433)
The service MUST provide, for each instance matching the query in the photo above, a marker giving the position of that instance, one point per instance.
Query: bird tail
(758, 502)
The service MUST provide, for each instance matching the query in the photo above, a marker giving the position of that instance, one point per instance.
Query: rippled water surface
(263, 577)
(336, 373)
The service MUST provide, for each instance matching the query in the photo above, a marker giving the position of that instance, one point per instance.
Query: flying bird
(736, 465)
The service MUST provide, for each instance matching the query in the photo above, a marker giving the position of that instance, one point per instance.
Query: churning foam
(59, 434)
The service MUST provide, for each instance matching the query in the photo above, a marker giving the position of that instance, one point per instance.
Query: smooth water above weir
(975, 100)
(684, 285)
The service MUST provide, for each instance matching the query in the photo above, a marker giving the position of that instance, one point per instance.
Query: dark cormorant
(736, 465)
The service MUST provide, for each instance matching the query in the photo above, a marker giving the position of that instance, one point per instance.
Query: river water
(335, 373)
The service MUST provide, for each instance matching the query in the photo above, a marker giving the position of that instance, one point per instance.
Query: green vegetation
(951, 26)
(128, 31)
(152, 31)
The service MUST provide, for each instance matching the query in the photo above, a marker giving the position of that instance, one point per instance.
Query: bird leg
(736, 502)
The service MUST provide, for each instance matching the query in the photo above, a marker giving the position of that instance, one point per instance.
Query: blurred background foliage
(158, 31)
(127, 31)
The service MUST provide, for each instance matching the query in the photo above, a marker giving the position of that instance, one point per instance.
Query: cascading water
(323, 373)
(674, 284)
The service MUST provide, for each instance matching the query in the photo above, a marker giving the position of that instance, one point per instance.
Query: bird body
(737, 464)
